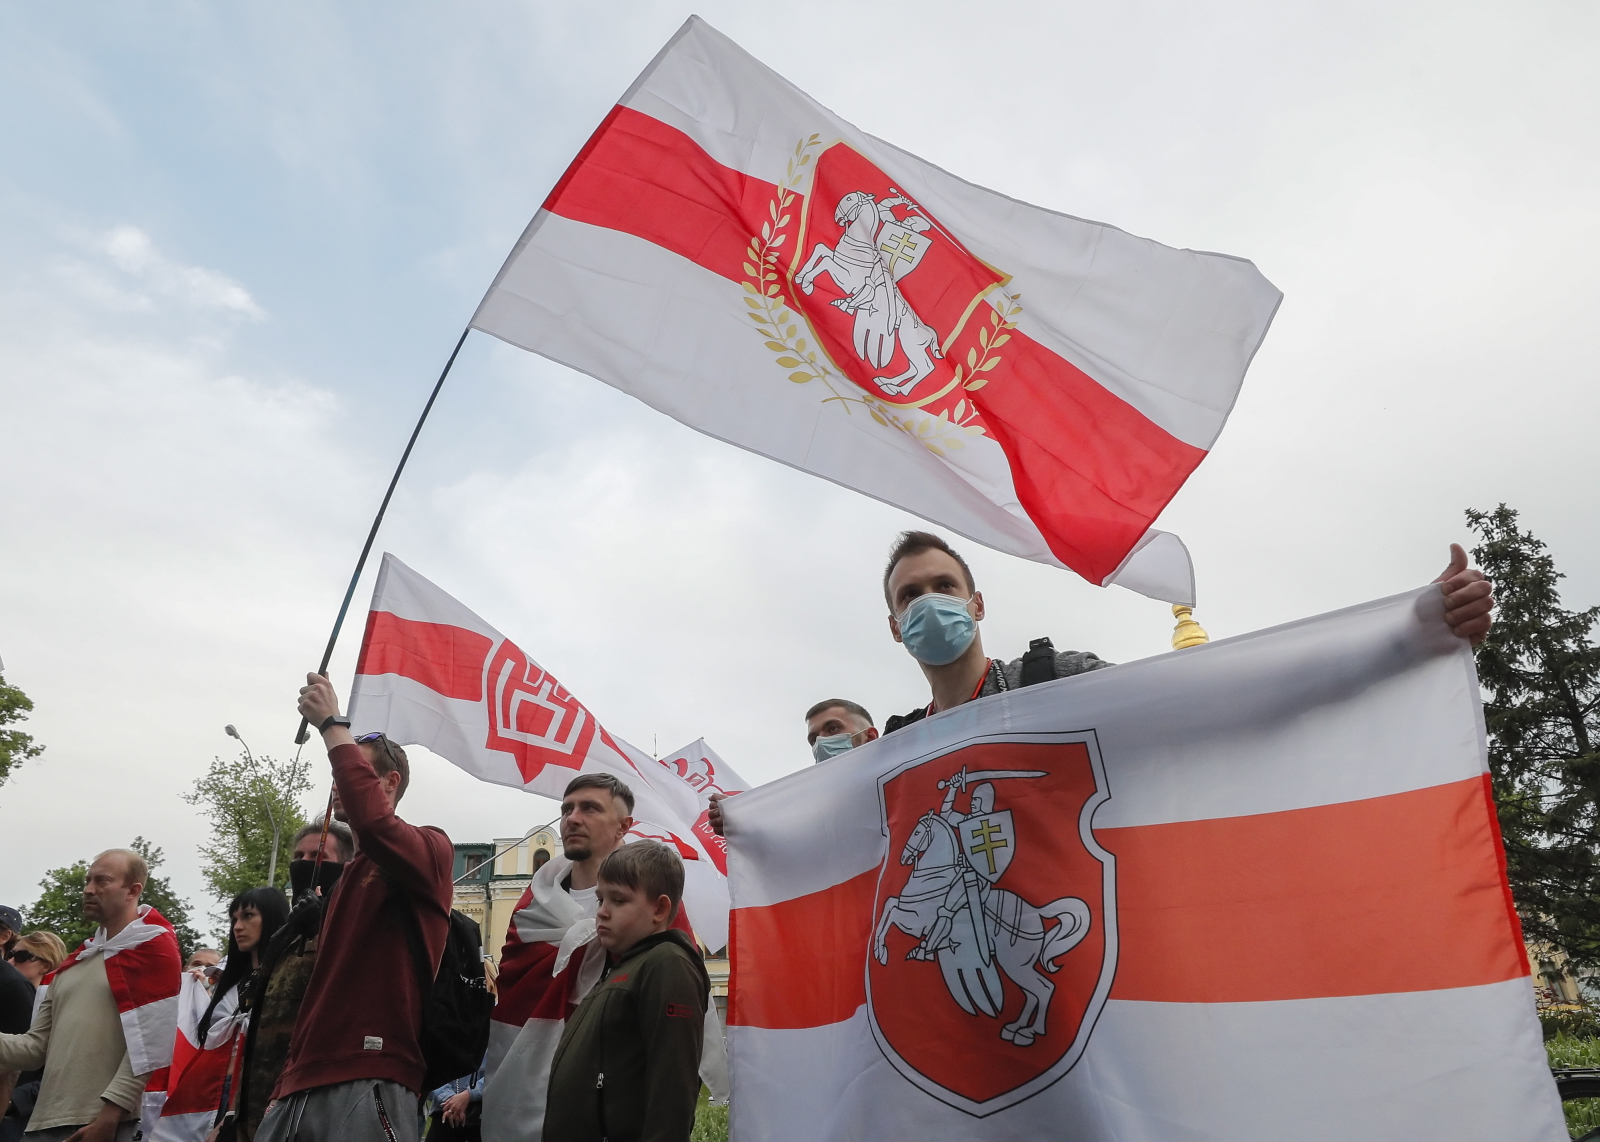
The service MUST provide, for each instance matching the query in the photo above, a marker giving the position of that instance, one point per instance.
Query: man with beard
(100, 1032)
(551, 958)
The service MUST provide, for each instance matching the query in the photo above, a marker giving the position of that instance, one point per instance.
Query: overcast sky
(238, 241)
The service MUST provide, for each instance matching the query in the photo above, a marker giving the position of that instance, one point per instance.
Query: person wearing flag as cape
(552, 957)
(107, 1015)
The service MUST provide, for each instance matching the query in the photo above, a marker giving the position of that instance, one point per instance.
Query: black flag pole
(303, 732)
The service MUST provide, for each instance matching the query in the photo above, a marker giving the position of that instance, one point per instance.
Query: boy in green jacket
(628, 1065)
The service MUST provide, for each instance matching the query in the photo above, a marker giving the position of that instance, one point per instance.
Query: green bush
(1583, 1024)
(1566, 1050)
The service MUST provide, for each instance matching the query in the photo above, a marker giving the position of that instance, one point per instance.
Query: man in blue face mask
(935, 608)
(934, 611)
(833, 726)
(837, 725)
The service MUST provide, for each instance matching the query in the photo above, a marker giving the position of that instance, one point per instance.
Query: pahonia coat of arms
(994, 938)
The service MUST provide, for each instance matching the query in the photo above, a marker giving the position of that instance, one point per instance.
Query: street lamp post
(272, 864)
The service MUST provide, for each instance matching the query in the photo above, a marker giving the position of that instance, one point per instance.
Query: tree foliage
(1540, 669)
(242, 799)
(59, 908)
(15, 746)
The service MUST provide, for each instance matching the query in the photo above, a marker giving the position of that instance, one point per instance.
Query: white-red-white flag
(1242, 892)
(432, 673)
(737, 256)
(197, 1085)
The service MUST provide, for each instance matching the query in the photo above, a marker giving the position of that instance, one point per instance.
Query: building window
(541, 857)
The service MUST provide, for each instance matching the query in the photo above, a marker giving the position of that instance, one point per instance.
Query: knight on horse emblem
(874, 253)
(975, 930)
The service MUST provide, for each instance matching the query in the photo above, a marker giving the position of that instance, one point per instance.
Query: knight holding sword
(985, 839)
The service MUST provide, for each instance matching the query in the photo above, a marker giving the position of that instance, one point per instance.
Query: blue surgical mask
(937, 629)
(824, 748)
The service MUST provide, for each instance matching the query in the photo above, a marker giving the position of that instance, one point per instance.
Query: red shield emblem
(892, 296)
(994, 926)
(531, 715)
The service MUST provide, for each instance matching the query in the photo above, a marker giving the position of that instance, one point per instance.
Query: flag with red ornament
(432, 673)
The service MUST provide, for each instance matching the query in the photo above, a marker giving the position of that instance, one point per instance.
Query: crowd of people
(351, 1015)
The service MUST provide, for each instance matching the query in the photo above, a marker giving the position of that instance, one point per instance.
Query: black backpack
(456, 1003)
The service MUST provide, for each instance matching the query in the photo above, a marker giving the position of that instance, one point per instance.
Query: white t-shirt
(587, 899)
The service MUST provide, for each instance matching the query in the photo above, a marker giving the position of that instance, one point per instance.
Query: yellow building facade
(488, 891)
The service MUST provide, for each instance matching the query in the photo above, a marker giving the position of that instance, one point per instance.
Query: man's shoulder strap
(899, 721)
(1039, 664)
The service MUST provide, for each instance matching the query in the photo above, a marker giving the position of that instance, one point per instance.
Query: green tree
(15, 746)
(1540, 669)
(159, 894)
(59, 908)
(243, 799)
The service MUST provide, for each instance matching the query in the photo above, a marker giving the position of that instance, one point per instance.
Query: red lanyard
(988, 665)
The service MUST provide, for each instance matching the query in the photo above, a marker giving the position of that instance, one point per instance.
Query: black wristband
(333, 720)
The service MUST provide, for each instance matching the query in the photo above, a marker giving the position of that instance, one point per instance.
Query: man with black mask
(286, 966)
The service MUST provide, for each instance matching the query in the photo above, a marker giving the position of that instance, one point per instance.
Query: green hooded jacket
(628, 1065)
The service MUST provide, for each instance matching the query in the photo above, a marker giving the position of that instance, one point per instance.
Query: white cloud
(131, 250)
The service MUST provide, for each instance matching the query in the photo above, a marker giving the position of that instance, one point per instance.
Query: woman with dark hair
(256, 914)
(200, 1092)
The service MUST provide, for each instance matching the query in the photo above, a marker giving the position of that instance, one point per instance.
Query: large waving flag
(432, 673)
(735, 255)
(1247, 891)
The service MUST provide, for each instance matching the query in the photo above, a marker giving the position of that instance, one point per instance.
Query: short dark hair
(387, 757)
(612, 785)
(649, 867)
(909, 543)
(845, 704)
(343, 840)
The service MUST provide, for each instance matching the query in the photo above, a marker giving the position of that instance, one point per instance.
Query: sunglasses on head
(378, 736)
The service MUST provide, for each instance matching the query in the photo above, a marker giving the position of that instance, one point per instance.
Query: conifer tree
(1540, 670)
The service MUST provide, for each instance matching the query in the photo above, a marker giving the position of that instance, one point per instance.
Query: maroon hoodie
(362, 1011)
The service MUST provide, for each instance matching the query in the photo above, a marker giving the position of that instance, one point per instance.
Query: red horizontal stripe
(446, 659)
(644, 178)
(1389, 894)
(1091, 470)
(1399, 893)
(802, 962)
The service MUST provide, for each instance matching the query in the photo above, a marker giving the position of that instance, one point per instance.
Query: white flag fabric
(432, 673)
(1243, 892)
(740, 258)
